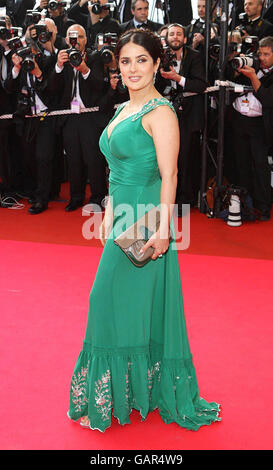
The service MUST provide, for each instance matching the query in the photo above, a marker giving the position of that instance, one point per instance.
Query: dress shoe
(264, 217)
(32, 200)
(37, 208)
(73, 205)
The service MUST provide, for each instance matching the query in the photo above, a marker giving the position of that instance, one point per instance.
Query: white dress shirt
(248, 104)
(77, 95)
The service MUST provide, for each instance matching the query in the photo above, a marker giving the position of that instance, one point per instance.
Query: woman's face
(136, 66)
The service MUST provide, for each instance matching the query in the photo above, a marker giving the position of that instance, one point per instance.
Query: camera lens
(75, 58)
(96, 8)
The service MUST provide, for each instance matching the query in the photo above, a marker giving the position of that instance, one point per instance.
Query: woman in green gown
(135, 352)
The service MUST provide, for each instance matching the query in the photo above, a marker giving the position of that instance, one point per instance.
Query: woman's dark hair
(142, 37)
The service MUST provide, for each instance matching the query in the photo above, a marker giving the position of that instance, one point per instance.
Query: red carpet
(44, 297)
(207, 236)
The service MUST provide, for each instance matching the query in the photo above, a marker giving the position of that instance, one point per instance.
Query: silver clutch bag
(135, 237)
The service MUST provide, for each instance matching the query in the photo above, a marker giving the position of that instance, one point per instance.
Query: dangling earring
(123, 84)
(154, 77)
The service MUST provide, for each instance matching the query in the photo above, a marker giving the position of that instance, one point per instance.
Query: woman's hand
(159, 244)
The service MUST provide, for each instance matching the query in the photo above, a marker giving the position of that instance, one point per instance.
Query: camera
(42, 34)
(6, 33)
(176, 100)
(251, 59)
(32, 17)
(16, 45)
(214, 51)
(200, 29)
(97, 8)
(250, 45)
(53, 4)
(243, 18)
(168, 59)
(25, 53)
(108, 42)
(75, 57)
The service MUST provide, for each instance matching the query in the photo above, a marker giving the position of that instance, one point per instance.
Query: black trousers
(81, 133)
(5, 173)
(39, 148)
(189, 164)
(251, 159)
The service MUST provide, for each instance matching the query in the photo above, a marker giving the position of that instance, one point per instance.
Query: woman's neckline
(131, 114)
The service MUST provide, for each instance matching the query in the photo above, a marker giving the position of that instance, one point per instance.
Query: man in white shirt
(79, 87)
(188, 75)
(252, 127)
(140, 11)
(38, 135)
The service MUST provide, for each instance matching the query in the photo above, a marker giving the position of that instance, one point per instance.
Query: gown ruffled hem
(113, 382)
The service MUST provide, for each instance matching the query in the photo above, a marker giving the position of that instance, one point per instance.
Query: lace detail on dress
(152, 104)
(103, 401)
(79, 388)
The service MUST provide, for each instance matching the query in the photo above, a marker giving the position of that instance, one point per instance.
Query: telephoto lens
(247, 60)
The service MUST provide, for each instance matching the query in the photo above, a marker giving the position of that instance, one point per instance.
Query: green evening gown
(135, 352)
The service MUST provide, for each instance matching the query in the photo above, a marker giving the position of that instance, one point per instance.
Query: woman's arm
(106, 225)
(162, 125)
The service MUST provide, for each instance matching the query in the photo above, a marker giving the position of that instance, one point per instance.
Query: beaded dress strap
(152, 104)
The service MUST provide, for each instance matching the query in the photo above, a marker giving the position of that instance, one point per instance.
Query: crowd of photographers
(59, 56)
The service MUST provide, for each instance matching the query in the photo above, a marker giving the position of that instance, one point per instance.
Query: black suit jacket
(107, 25)
(265, 95)
(61, 84)
(46, 64)
(192, 68)
(18, 10)
(151, 25)
(7, 101)
(260, 28)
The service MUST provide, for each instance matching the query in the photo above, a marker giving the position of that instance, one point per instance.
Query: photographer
(114, 92)
(78, 80)
(8, 150)
(252, 127)
(186, 75)
(251, 22)
(95, 17)
(140, 11)
(57, 12)
(16, 10)
(28, 79)
(195, 32)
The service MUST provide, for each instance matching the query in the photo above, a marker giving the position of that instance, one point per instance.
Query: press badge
(245, 104)
(75, 106)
